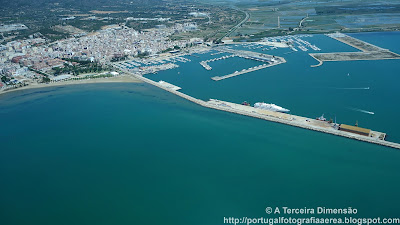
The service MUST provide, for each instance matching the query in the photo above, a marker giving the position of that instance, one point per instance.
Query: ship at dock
(270, 107)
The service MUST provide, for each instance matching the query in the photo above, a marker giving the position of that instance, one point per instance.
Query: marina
(324, 126)
(156, 63)
(292, 42)
(208, 67)
(268, 60)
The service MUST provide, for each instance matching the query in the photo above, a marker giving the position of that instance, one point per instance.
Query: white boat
(270, 107)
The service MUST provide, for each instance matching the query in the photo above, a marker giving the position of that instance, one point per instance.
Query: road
(237, 25)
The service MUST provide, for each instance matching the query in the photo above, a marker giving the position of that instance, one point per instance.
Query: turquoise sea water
(134, 154)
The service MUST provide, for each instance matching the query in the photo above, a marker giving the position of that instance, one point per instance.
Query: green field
(323, 16)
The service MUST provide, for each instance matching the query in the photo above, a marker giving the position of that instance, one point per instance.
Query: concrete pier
(205, 65)
(237, 73)
(368, 51)
(356, 43)
(293, 120)
(169, 86)
(208, 67)
(269, 61)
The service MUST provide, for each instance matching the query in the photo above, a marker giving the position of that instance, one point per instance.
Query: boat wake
(363, 111)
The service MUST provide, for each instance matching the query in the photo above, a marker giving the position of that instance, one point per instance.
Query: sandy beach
(117, 79)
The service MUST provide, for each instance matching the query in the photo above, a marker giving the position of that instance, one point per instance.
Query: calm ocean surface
(135, 154)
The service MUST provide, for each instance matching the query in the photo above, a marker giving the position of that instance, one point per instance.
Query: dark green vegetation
(45, 76)
(119, 58)
(5, 79)
(92, 76)
(90, 15)
(37, 71)
(214, 26)
(80, 67)
(41, 15)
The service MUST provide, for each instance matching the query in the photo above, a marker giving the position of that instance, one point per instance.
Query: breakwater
(268, 60)
(237, 73)
(368, 51)
(208, 67)
(292, 120)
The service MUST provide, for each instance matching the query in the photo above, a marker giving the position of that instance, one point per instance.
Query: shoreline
(118, 79)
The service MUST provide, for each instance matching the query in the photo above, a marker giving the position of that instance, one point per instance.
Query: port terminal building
(354, 129)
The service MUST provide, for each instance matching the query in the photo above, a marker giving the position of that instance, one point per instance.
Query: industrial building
(354, 129)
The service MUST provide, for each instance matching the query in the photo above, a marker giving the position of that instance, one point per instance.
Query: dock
(356, 43)
(205, 65)
(168, 86)
(269, 60)
(237, 73)
(374, 137)
(368, 51)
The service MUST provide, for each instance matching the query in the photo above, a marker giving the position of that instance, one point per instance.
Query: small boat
(245, 103)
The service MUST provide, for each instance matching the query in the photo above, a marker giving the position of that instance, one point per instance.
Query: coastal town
(34, 60)
(65, 42)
